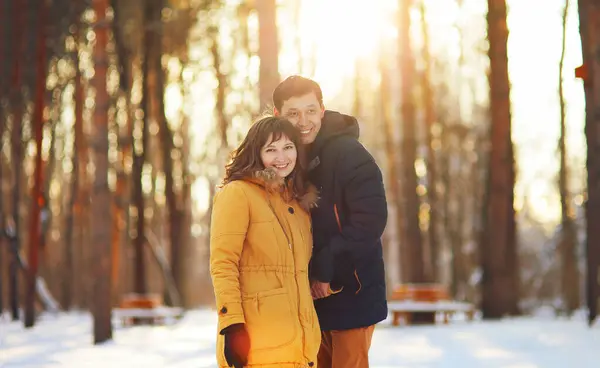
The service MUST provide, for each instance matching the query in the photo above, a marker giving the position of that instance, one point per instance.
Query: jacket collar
(272, 183)
(268, 180)
(333, 125)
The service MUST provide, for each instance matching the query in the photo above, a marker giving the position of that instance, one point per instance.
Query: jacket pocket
(358, 283)
(369, 275)
(350, 283)
(269, 319)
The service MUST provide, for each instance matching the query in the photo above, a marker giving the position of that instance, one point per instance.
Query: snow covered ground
(65, 341)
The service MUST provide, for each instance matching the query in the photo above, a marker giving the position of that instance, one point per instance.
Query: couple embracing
(296, 257)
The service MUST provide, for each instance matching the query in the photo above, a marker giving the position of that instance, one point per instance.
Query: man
(347, 271)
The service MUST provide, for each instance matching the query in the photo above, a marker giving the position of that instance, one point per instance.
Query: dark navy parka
(347, 226)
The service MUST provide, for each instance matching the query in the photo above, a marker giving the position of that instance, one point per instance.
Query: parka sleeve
(365, 209)
(229, 225)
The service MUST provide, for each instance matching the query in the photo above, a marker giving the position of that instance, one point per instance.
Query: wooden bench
(144, 309)
(158, 315)
(420, 303)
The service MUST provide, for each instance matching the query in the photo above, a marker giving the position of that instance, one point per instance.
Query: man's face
(305, 112)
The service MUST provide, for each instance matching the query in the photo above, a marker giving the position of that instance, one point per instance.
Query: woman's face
(281, 155)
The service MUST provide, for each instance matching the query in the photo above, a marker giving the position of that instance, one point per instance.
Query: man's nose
(302, 120)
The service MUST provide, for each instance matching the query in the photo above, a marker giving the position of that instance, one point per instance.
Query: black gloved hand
(237, 345)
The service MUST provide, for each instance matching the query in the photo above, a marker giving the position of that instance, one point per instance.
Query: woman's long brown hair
(246, 161)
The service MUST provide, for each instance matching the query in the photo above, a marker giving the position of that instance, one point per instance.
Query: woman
(261, 244)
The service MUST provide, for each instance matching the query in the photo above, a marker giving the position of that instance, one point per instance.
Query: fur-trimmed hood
(272, 183)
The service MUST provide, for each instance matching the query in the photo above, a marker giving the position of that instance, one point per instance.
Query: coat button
(291, 210)
(223, 310)
(310, 364)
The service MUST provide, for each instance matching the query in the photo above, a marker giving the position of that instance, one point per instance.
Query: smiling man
(347, 272)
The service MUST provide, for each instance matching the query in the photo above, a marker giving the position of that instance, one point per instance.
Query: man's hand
(320, 289)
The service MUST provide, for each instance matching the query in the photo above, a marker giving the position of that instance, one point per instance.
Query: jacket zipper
(287, 238)
(295, 279)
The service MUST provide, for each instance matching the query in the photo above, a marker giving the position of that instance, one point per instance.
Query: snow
(533, 342)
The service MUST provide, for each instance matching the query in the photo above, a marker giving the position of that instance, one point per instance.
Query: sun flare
(334, 34)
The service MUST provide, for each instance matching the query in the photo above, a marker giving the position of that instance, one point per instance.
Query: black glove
(237, 345)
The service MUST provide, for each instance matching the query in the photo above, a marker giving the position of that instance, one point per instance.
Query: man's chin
(307, 140)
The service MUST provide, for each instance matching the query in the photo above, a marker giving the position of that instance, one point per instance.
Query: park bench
(144, 309)
(421, 303)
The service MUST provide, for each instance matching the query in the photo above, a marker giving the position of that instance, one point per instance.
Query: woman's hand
(237, 345)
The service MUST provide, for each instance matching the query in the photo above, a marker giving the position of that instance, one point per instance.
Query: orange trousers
(346, 348)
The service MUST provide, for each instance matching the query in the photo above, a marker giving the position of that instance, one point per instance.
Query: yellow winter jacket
(260, 246)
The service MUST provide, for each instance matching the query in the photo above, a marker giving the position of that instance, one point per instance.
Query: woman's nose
(279, 156)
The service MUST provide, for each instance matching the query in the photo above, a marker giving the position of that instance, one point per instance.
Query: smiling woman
(279, 153)
(259, 254)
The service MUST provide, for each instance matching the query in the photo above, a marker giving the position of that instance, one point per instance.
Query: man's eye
(292, 114)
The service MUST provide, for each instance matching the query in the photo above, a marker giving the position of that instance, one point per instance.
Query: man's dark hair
(295, 86)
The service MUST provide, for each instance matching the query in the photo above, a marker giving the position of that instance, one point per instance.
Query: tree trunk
(14, 230)
(2, 221)
(189, 252)
(477, 215)
(568, 236)
(121, 198)
(393, 181)
(222, 121)
(457, 218)
(49, 168)
(36, 191)
(101, 198)
(5, 8)
(16, 104)
(141, 150)
(499, 258)
(68, 273)
(268, 51)
(81, 192)
(428, 105)
(414, 241)
(175, 230)
(589, 29)
(445, 180)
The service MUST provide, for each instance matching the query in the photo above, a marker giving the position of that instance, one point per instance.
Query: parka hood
(334, 125)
